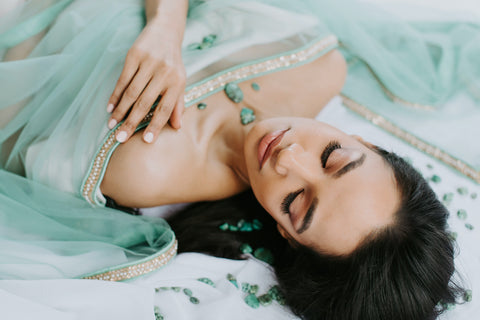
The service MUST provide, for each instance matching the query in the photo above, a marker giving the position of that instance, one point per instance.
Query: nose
(294, 160)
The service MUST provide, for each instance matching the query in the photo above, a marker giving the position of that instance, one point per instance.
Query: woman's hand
(153, 69)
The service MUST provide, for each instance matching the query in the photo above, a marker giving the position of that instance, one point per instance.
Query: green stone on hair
(224, 226)
(263, 254)
(257, 224)
(467, 296)
(246, 248)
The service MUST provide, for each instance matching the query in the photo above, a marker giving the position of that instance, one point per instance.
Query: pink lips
(267, 143)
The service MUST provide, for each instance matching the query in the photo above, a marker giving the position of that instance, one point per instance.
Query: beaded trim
(138, 269)
(97, 169)
(411, 139)
(265, 66)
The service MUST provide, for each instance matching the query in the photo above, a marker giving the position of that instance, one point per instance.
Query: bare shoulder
(303, 91)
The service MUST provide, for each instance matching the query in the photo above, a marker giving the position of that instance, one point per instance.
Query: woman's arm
(153, 67)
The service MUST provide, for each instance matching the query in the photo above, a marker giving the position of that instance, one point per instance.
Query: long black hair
(401, 272)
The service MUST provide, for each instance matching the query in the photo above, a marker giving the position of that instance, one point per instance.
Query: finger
(176, 117)
(160, 117)
(130, 96)
(128, 72)
(138, 113)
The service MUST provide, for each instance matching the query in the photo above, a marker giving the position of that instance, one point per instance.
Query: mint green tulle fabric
(53, 105)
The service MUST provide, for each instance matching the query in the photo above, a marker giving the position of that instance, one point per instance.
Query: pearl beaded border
(429, 149)
(139, 269)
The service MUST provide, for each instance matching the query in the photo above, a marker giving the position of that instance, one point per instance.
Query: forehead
(353, 206)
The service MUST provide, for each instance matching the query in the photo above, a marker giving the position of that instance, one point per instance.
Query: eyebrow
(307, 220)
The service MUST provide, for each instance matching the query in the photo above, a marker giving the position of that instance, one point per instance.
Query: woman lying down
(355, 231)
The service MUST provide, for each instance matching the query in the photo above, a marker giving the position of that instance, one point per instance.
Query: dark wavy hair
(401, 272)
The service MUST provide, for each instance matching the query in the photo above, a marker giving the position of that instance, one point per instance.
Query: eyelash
(332, 146)
(289, 199)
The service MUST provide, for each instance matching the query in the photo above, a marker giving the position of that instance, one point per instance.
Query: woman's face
(327, 190)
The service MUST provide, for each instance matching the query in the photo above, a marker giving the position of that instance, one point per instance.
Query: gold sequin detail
(250, 70)
(139, 269)
(411, 139)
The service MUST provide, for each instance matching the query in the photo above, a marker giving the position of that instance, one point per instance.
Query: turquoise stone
(265, 300)
(257, 224)
(467, 296)
(429, 166)
(469, 226)
(462, 214)
(436, 178)
(246, 227)
(246, 248)
(232, 228)
(176, 289)
(188, 292)
(210, 38)
(255, 86)
(240, 223)
(158, 316)
(247, 116)
(274, 292)
(194, 300)
(207, 281)
(253, 289)
(234, 92)
(245, 287)
(201, 105)
(194, 46)
(473, 195)
(232, 280)
(252, 301)
(224, 226)
(164, 288)
(264, 254)
(206, 45)
(463, 191)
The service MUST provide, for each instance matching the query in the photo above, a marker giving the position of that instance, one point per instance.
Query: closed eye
(332, 146)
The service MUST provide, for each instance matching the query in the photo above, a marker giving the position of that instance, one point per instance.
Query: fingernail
(122, 136)
(148, 137)
(112, 123)
(110, 108)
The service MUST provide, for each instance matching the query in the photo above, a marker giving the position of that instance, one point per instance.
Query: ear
(284, 233)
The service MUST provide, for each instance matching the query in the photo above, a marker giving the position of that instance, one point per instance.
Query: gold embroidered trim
(411, 139)
(89, 187)
(139, 269)
(265, 66)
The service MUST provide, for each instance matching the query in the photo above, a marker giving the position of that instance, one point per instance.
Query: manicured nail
(122, 136)
(148, 137)
(112, 123)
(110, 108)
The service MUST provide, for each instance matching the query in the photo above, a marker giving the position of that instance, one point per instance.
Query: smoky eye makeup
(331, 146)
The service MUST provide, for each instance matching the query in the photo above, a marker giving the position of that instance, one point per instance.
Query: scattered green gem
(281, 300)
(253, 289)
(210, 38)
(246, 227)
(436, 178)
(188, 292)
(247, 116)
(473, 195)
(163, 288)
(462, 191)
(246, 248)
(232, 228)
(176, 289)
(255, 86)
(467, 296)
(453, 235)
(252, 301)
(234, 92)
(224, 227)
(468, 226)
(207, 281)
(206, 45)
(265, 300)
(232, 280)
(157, 289)
(429, 166)
(240, 223)
(257, 224)
(230, 277)
(194, 300)
(245, 287)
(194, 46)
(274, 292)
(201, 105)
(158, 316)
(263, 254)
(448, 197)
(462, 214)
